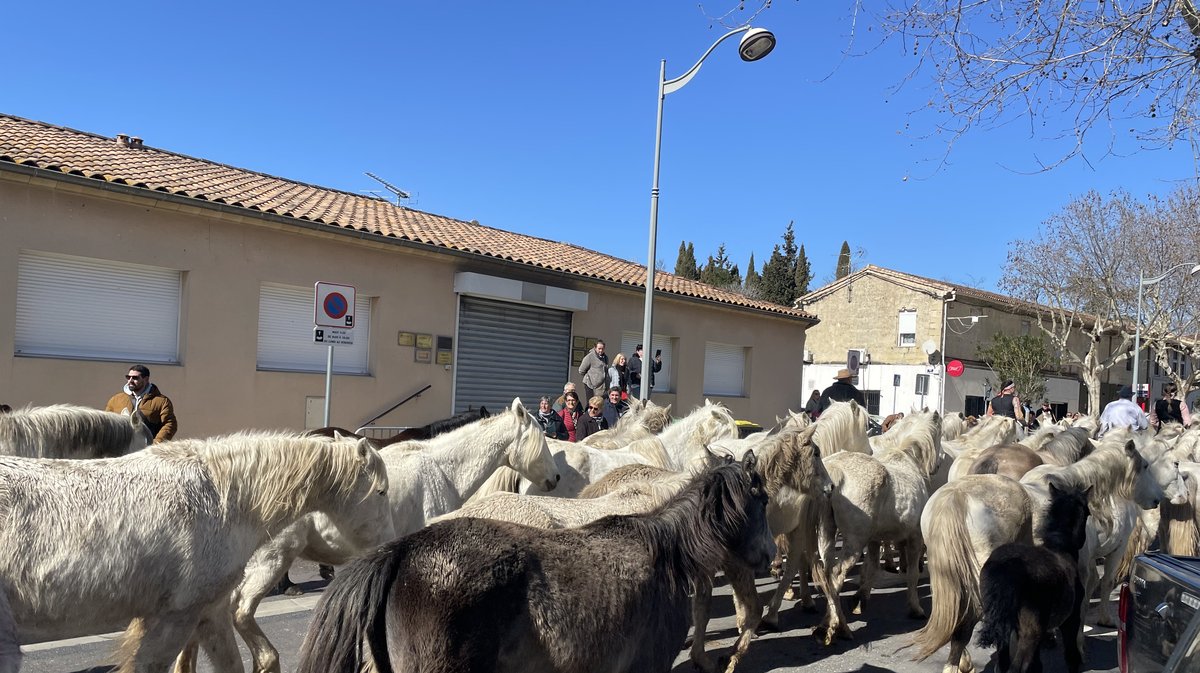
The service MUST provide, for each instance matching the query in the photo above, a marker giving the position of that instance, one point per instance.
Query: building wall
(224, 257)
(865, 314)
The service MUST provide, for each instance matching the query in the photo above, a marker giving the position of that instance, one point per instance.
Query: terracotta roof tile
(56, 148)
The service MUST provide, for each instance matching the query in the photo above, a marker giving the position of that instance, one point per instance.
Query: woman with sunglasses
(141, 395)
(593, 421)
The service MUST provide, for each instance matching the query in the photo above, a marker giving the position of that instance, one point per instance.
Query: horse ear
(517, 407)
(1054, 489)
(1130, 448)
(363, 448)
(749, 462)
(483, 412)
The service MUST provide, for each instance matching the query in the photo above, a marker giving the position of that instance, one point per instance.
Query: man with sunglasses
(141, 395)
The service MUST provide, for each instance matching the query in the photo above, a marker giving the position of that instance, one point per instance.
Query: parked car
(1158, 615)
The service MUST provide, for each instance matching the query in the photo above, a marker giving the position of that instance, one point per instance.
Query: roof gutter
(36, 172)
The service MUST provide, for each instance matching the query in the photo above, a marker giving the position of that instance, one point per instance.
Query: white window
(80, 307)
(908, 328)
(285, 333)
(662, 379)
(724, 370)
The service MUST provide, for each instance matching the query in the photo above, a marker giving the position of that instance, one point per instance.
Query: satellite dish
(930, 347)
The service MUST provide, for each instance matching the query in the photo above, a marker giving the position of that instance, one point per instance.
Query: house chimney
(135, 142)
(122, 140)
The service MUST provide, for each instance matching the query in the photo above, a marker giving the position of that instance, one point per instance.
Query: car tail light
(1122, 626)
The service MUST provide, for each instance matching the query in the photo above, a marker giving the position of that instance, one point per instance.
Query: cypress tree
(803, 273)
(685, 263)
(843, 263)
(773, 285)
(751, 275)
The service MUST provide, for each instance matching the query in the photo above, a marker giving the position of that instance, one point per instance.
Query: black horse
(475, 595)
(1028, 590)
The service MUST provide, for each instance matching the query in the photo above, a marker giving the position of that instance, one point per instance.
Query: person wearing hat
(1122, 413)
(841, 391)
(1007, 403)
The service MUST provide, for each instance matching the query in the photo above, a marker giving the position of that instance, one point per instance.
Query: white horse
(877, 498)
(965, 520)
(991, 431)
(640, 422)
(167, 532)
(68, 431)
(954, 425)
(1113, 517)
(842, 427)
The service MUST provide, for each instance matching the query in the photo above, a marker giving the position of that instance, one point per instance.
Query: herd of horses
(482, 545)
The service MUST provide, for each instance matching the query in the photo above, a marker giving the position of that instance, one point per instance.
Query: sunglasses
(133, 378)
(594, 408)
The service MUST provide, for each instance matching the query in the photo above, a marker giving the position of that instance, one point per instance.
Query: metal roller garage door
(508, 350)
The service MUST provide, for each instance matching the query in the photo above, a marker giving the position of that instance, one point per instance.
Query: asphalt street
(879, 636)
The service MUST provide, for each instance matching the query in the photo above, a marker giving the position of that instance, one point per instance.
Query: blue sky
(538, 117)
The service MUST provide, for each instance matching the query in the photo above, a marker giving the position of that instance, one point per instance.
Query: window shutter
(81, 307)
(724, 370)
(285, 333)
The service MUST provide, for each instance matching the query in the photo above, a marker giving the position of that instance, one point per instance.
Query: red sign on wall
(954, 368)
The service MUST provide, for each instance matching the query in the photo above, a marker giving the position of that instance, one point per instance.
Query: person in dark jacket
(813, 406)
(592, 421)
(551, 422)
(614, 407)
(841, 391)
(636, 368)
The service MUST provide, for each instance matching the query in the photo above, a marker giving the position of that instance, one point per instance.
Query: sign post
(333, 323)
(895, 390)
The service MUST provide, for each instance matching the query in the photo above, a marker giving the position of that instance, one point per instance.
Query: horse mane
(990, 431)
(918, 436)
(1058, 529)
(788, 460)
(619, 477)
(842, 427)
(954, 425)
(275, 473)
(1040, 437)
(697, 426)
(1107, 471)
(654, 418)
(1066, 447)
(685, 535)
(66, 430)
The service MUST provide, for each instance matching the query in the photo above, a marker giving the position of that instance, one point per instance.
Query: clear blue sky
(538, 117)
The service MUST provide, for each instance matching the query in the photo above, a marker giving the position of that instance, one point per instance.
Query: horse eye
(382, 491)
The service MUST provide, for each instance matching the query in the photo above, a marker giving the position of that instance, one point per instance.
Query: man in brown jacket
(145, 397)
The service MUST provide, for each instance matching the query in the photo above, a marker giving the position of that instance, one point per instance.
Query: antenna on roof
(401, 195)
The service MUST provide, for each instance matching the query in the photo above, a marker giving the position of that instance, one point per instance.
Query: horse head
(1164, 468)
(529, 453)
(1147, 492)
(754, 543)
(142, 436)
(363, 513)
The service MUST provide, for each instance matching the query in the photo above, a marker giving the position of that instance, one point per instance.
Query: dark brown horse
(473, 595)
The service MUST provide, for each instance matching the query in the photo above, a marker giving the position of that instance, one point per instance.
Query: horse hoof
(810, 608)
(790, 594)
(293, 590)
(857, 609)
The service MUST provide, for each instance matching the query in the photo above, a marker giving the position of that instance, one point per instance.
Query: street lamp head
(756, 43)
(1195, 270)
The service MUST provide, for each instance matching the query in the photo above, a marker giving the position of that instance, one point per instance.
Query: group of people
(1124, 412)
(607, 389)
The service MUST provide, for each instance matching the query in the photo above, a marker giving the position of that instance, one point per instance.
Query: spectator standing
(571, 414)
(593, 421)
(1122, 413)
(614, 407)
(638, 367)
(1007, 403)
(1048, 412)
(561, 402)
(813, 406)
(618, 375)
(595, 371)
(1168, 409)
(139, 394)
(551, 422)
(841, 391)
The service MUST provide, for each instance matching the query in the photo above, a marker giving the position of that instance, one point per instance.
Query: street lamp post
(1143, 283)
(755, 44)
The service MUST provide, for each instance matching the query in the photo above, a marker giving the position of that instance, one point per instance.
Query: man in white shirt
(1123, 413)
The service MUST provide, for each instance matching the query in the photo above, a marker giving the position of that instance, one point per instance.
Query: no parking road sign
(333, 313)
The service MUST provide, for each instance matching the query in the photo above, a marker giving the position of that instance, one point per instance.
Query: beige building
(117, 252)
(904, 328)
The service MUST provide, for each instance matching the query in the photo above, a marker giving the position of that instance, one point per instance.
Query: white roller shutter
(285, 333)
(724, 370)
(662, 380)
(80, 307)
(508, 350)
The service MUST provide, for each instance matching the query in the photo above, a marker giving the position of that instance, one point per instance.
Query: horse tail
(1000, 605)
(351, 613)
(952, 573)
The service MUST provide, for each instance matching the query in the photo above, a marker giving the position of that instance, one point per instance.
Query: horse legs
(152, 643)
(835, 576)
(1026, 654)
(912, 549)
(959, 660)
(1106, 616)
(215, 634)
(701, 604)
(10, 646)
(771, 619)
(866, 578)
(1072, 635)
(262, 571)
(745, 599)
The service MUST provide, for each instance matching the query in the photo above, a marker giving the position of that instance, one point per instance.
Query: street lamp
(755, 44)
(1137, 332)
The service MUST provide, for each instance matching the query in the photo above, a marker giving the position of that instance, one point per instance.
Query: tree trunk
(1091, 379)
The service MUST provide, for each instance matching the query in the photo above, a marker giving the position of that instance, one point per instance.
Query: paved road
(877, 637)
